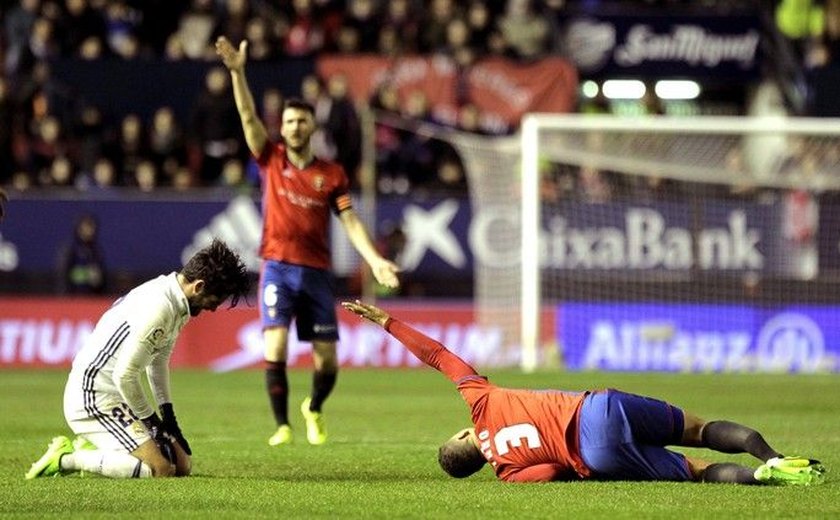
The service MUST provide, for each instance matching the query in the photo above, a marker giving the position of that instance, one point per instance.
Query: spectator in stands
(89, 136)
(343, 127)
(479, 20)
(46, 145)
(121, 23)
(362, 15)
(91, 49)
(195, 29)
(167, 147)
(104, 176)
(145, 176)
(61, 173)
(526, 33)
(260, 45)
(305, 35)
(82, 261)
(233, 178)
(183, 179)
(390, 43)
(214, 126)
(18, 24)
(594, 185)
(456, 43)
(233, 20)
(433, 28)
(402, 20)
(347, 40)
(129, 148)
(416, 157)
(78, 24)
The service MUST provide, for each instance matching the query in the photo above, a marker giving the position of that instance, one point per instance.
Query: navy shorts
(623, 436)
(304, 293)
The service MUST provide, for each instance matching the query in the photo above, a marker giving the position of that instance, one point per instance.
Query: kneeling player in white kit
(119, 434)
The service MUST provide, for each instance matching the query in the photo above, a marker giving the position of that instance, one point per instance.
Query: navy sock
(728, 472)
(277, 385)
(730, 437)
(322, 385)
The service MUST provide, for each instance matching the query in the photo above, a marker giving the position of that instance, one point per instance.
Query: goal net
(635, 217)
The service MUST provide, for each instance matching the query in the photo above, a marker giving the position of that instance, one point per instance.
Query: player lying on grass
(119, 433)
(545, 435)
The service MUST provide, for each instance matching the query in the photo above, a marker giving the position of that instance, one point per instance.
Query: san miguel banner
(721, 46)
(42, 332)
(699, 338)
(503, 89)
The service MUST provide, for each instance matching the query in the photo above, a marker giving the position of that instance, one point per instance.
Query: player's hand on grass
(385, 272)
(170, 425)
(367, 311)
(232, 58)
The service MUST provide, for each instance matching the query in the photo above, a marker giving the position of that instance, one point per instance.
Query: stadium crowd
(51, 137)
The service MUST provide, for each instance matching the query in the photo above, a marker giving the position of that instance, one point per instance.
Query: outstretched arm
(429, 351)
(384, 270)
(255, 133)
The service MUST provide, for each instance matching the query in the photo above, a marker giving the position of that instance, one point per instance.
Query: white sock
(106, 463)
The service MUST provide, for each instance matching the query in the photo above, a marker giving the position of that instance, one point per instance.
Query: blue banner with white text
(444, 236)
(699, 338)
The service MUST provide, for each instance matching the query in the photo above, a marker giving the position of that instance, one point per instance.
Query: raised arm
(429, 351)
(255, 133)
(384, 270)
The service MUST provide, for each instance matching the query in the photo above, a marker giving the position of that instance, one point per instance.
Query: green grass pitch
(380, 461)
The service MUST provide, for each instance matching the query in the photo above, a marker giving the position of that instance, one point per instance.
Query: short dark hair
(299, 104)
(223, 272)
(460, 459)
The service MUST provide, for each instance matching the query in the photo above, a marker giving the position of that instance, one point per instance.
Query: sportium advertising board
(699, 338)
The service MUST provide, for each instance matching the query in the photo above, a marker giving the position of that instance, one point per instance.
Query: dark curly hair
(222, 270)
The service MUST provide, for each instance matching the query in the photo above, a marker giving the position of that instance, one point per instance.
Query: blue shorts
(623, 436)
(304, 293)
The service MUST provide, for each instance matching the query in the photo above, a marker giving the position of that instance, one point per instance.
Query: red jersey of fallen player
(296, 206)
(526, 435)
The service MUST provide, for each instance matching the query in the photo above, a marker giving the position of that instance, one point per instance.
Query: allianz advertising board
(699, 338)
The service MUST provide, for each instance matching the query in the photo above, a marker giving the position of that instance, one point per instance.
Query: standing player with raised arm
(298, 191)
(119, 432)
(545, 435)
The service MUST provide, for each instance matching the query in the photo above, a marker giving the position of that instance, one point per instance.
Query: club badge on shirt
(318, 182)
(155, 336)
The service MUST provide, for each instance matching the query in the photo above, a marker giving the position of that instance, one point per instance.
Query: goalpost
(590, 211)
(745, 165)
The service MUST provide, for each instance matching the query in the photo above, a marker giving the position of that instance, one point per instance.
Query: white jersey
(136, 334)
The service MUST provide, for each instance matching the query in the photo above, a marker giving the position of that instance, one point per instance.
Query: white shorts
(103, 419)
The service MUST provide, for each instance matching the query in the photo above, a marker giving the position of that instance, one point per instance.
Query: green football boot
(50, 462)
(791, 471)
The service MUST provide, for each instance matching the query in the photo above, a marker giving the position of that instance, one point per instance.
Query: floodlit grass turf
(380, 461)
